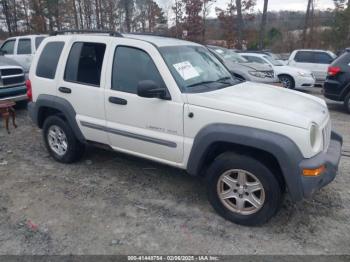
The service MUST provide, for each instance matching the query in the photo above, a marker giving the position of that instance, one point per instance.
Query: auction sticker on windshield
(186, 70)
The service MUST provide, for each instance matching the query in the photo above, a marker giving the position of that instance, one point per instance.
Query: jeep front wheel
(243, 190)
(60, 140)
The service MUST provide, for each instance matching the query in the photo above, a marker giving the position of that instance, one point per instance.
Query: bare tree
(207, 4)
(128, 7)
(178, 10)
(240, 24)
(193, 20)
(306, 24)
(263, 26)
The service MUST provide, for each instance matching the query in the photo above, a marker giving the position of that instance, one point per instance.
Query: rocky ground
(110, 203)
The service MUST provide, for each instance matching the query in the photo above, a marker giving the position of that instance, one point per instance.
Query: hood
(265, 102)
(247, 66)
(5, 61)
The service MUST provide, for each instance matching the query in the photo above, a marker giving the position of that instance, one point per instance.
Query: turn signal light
(314, 172)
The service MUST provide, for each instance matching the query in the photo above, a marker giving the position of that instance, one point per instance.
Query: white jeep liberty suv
(173, 102)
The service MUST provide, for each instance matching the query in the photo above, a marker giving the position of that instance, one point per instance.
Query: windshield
(195, 69)
(273, 61)
(229, 55)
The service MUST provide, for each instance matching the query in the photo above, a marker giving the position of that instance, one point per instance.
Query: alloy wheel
(241, 192)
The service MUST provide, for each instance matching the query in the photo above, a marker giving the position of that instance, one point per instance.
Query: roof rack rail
(86, 31)
(149, 34)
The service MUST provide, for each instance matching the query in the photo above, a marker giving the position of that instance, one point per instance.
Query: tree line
(237, 24)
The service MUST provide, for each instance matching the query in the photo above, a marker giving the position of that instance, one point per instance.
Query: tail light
(29, 90)
(333, 70)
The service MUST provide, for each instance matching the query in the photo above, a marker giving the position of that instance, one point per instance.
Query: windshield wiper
(222, 80)
(202, 83)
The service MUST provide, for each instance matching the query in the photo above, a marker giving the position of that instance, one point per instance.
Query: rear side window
(255, 59)
(8, 47)
(84, 63)
(24, 47)
(38, 41)
(322, 58)
(304, 57)
(343, 60)
(130, 66)
(48, 60)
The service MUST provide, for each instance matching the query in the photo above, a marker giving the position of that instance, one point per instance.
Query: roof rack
(86, 31)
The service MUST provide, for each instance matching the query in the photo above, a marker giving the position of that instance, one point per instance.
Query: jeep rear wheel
(243, 190)
(60, 140)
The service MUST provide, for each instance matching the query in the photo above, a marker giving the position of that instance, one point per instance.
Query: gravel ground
(110, 203)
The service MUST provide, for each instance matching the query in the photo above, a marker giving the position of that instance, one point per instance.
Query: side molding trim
(130, 135)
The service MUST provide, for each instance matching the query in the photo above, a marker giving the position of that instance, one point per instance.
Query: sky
(275, 5)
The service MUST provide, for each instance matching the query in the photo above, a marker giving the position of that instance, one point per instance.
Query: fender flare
(281, 147)
(60, 104)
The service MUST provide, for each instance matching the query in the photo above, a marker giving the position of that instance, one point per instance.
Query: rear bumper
(18, 93)
(333, 89)
(329, 159)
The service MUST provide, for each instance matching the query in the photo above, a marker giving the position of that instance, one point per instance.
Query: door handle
(117, 100)
(65, 90)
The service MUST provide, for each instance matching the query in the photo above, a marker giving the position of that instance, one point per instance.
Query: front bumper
(304, 82)
(17, 93)
(330, 159)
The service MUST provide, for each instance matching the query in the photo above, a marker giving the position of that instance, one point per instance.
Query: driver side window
(8, 47)
(130, 66)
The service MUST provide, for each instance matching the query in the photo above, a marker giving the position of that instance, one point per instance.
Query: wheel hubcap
(241, 192)
(57, 140)
(286, 82)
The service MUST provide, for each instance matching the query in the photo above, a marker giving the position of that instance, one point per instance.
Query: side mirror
(150, 89)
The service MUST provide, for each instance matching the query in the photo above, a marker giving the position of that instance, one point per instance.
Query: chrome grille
(269, 74)
(10, 77)
(327, 130)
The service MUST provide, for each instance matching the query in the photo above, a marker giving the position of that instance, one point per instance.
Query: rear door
(24, 52)
(322, 60)
(82, 83)
(303, 59)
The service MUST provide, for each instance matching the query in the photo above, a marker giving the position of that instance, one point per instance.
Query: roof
(252, 54)
(312, 50)
(25, 36)
(159, 41)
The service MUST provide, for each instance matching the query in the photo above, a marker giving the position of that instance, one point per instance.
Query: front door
(8, 48)
(147, 127)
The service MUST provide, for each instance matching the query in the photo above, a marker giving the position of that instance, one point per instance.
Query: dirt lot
(110, 203)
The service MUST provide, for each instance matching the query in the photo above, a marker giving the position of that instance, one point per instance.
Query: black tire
(272, 188)
(347, 103)
(75, 149)
(287, 81)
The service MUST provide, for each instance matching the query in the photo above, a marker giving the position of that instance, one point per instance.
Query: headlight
(315, 137)
(257, 74)
(303, 74)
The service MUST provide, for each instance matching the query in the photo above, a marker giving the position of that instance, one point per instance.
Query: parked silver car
(242, 69)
